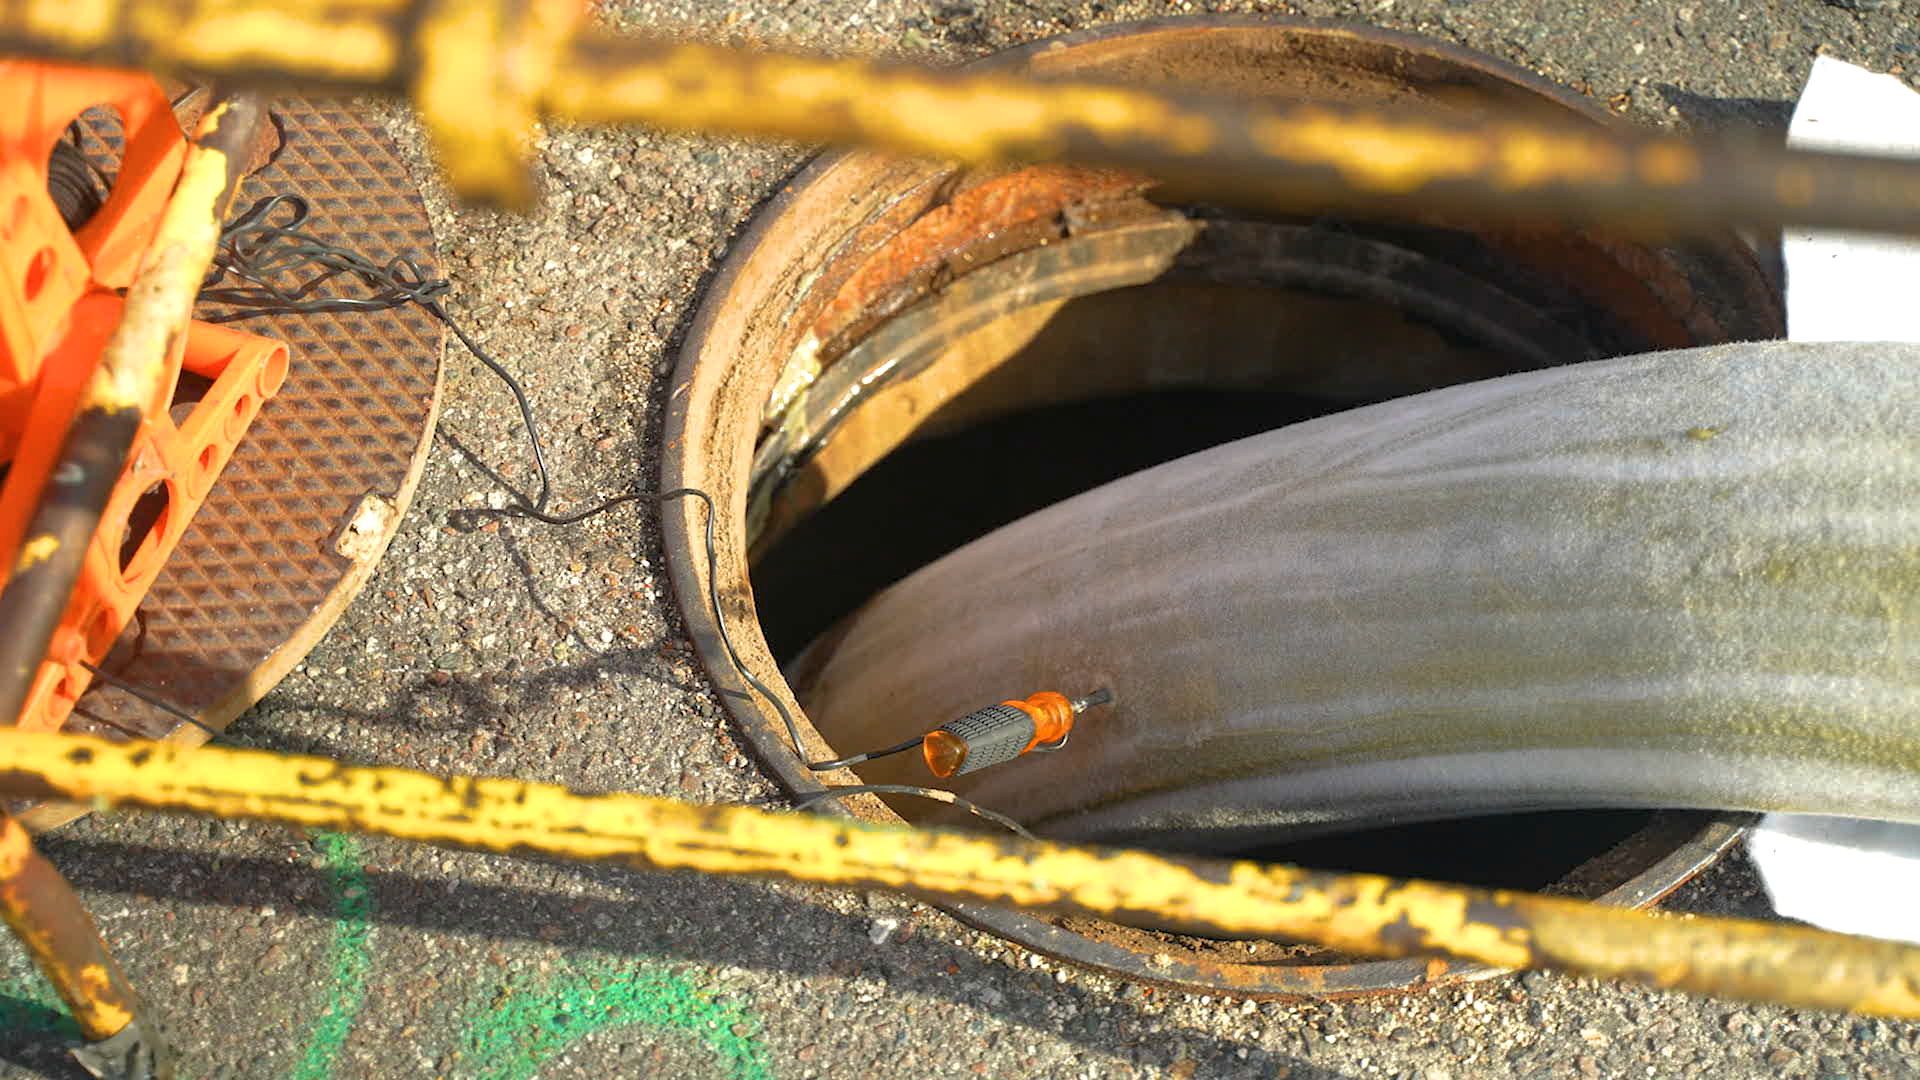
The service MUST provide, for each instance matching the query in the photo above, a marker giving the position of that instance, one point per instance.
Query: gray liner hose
(1685, 579)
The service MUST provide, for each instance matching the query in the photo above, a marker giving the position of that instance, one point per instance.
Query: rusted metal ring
(1169, 248)
(821, 269)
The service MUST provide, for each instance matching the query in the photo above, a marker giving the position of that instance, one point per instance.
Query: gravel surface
(553, 654)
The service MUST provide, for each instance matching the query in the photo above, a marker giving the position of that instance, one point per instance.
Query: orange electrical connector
(1000, 733)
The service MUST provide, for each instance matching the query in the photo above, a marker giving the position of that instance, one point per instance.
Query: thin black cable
(539, 505)
(258, 253)
(935, 794)
(148, 697)
(841, 763)
(740, 666)
(713, 601)
(123, 729)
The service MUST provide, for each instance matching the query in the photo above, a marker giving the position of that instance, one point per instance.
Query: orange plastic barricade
(59, 300)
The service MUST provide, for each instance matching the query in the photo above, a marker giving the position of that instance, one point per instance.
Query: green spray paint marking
(522, 1031)
(353, 912)
(28, 1006)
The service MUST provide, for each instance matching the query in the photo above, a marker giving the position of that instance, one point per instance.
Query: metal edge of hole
(712, 425)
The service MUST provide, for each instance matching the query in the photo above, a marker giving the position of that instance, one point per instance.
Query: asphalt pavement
(554, 654)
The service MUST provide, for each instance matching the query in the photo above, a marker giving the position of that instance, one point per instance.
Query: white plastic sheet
(1859, 877)
(1844, 286)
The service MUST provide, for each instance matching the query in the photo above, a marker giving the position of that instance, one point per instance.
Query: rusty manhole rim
(714, 419)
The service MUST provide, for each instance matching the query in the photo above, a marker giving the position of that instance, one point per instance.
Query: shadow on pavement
(37, 1038)
(1729, 116)
(675, 917)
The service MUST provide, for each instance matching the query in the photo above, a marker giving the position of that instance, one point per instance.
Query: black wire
(149, 697)
(740, 666)
(841, 763)
(713, 601)
(259, 253)
(935, 794)
(537, 509)
(131, 733)
(526, 510)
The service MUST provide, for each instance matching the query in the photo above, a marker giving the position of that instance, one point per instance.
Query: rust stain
(972, 229)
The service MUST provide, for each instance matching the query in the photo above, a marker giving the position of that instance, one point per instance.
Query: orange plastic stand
(59, 301)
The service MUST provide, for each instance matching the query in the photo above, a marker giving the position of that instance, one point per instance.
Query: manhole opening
(823, 348)
(987, 456)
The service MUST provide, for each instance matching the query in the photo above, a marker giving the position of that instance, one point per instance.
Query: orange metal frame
(59, 300)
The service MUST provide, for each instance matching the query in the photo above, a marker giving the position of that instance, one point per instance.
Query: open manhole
(903, 357)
